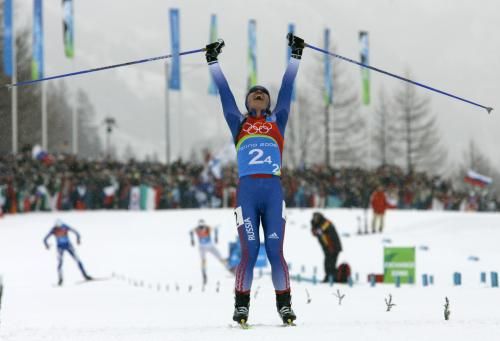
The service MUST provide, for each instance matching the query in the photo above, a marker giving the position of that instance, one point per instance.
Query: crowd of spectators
(64, 182)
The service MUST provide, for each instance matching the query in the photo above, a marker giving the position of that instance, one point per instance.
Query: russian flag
(41, 155)
(476, 179)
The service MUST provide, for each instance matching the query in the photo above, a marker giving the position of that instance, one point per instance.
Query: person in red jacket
(379, 204)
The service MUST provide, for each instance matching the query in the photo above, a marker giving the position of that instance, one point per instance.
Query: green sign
(399, 262)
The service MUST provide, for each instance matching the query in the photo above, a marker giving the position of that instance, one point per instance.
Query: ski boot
(284, 305)
(241, 305)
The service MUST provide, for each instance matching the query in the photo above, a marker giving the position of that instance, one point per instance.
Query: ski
(243, 324)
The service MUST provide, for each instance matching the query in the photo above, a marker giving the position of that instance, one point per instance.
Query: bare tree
(348, 123)
(29, 108)
(418, 131)
(301, 143)
(386, 146)
(89, 142)
(59, 118)
(128, 153)
(345, 123)
(310, 125)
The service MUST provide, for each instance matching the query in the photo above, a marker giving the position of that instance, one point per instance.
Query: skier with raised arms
(259, 139)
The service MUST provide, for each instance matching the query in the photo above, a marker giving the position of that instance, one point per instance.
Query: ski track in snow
(143, 253)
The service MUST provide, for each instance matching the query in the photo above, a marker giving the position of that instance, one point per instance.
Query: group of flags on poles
(175, 70)
(252, 77)
(37, 61)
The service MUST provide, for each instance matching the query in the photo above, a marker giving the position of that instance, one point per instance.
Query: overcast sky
(450, 44)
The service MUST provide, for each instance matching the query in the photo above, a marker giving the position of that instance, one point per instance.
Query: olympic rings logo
(257, 127)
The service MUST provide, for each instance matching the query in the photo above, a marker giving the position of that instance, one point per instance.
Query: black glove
(296, 44)
(213, 50)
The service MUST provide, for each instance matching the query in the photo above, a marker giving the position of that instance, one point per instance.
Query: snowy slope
(145, 253)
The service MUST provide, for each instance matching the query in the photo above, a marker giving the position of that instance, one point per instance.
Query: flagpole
(74, 118)
(14, 91)
(327, 136)
(167, 116)
(44, 118)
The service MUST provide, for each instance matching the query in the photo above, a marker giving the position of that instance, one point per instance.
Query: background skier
(61, 232)
(205, 245)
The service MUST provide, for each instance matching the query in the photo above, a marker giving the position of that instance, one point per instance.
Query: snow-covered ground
(153, 288)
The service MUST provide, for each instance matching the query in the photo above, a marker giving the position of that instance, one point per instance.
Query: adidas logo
(273, 236)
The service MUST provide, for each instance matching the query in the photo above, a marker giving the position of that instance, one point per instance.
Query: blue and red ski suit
(61, 233)
(259, 146)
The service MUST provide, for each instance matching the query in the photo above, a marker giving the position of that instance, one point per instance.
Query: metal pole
(327, 136)
(103, 68)
(75, 130)
(14, 91)
(108, 142)
(369, 144)
(44, 118)
(75, 120)
(167, 115)
(332, 135)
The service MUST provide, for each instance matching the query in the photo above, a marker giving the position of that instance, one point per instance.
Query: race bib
(258, 154)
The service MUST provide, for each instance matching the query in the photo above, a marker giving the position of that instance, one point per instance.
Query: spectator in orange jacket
(379, 204)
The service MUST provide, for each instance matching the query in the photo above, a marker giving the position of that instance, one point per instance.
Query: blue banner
(175, 70)
(212, 88)
(328, 95)
(37, 58)
(291, 29)
(252, 54)
(68, 28)
(7, 37)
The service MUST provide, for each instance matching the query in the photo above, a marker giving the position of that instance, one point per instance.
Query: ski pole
(146, 60)
(488, 109)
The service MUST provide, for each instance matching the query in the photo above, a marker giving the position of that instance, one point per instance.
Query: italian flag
(148, 198)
